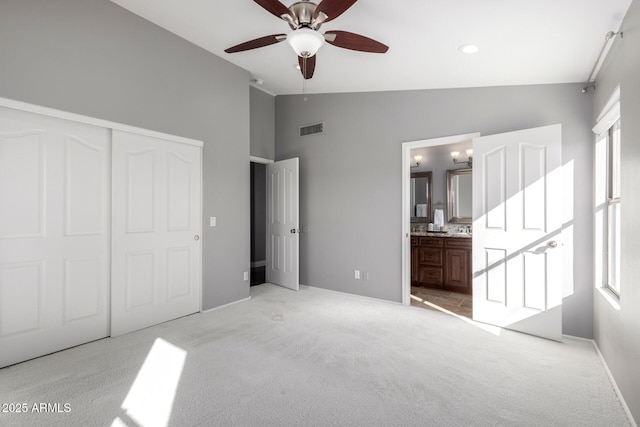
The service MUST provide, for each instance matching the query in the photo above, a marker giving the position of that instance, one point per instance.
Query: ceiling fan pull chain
(304, 78)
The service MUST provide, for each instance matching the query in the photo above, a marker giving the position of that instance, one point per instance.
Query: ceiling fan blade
(308, 68)
(347, 40)
(274, 7)
(256, 43)
(333, 8)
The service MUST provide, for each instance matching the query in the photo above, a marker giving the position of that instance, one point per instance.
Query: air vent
(312, 129)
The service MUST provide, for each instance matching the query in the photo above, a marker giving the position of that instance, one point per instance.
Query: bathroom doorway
(437, 252)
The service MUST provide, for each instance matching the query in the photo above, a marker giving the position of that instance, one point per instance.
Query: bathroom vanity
(441, 261)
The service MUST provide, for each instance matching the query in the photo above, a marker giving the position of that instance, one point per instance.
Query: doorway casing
(253, 267)
(406, 188)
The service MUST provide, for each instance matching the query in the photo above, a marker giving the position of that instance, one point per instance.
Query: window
(613, 208)
(607, 205)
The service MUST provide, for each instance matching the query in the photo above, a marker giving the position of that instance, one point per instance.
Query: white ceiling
(521, 42)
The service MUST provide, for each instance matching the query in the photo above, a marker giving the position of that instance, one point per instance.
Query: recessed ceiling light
(468, 48)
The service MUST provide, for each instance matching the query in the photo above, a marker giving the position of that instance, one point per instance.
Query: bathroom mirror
(421, 197)
(459, 196)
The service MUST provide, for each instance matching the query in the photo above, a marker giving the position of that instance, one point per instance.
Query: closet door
(54, 234)
(156, 254)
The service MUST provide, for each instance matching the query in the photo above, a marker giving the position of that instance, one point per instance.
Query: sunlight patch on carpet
(150, 399)
(495, 330)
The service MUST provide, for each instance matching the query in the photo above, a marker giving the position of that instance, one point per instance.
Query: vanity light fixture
(418, 159)
(455, 156)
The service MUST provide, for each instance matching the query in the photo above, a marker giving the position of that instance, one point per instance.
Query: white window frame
(613, 209)
(607, 130)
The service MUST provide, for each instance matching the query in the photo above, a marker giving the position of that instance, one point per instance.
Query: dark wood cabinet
(441, 263)
(414, 261)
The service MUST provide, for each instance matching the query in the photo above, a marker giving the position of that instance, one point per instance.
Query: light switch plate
(212, 221)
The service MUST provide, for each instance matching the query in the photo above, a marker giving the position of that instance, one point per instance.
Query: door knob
(552, 244)
(196, 237)
(294, 231)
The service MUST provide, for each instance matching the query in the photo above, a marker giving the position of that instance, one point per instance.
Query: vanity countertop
(449, 234)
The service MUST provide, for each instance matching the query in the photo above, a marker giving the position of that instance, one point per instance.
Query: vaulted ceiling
(520, 42)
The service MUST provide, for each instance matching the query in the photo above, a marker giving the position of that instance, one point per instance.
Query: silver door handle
(196, 237)
(295, 230)
(552, 244)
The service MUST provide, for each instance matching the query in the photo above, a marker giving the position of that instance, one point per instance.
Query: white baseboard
(573, 337)
(611, 378)
(225, 305)
(347, 294)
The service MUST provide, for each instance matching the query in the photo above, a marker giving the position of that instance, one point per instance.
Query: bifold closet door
(156, 265)
(54, 234)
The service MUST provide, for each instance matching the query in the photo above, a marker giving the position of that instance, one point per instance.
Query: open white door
(517, 221)
(156, 246)
(282, 224)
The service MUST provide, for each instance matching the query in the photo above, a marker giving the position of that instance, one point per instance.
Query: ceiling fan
(305, 18)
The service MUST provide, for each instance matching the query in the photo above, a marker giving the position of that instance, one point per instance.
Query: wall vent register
(312, 129)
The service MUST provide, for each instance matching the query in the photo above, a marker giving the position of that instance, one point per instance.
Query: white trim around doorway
(260, 160)
(406, 215)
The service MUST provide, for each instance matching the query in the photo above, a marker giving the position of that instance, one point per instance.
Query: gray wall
(617, 332)
(94, 58)
(263, 116)
(350, 176)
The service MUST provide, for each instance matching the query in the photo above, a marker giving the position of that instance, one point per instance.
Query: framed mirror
(421, 193)
(459, 196)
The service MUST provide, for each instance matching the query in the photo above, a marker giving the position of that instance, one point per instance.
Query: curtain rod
(603, 52)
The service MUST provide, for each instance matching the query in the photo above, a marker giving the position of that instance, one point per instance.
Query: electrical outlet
(357, 274)
(212, 222)
(365, 275)
(246, 275)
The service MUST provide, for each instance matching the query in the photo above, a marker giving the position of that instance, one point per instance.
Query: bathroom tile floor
(446, 301)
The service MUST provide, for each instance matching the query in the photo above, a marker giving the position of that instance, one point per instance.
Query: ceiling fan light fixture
(305, 42)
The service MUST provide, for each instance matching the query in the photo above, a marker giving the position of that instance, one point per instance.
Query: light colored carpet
(317, 358)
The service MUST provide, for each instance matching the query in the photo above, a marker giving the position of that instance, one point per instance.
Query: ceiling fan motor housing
(303, 16)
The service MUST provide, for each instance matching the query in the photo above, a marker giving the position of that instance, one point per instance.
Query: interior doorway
(274, 221)
(258, 219)
(436, 266)
(516, 252)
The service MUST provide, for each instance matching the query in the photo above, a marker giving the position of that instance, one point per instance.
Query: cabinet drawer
(430, 276)
(457, 242)
(430, 256)
(431, 241)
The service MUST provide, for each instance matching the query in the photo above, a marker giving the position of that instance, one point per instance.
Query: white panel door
(282, 224)
(517, 224)
(54, 234)
(156, 253)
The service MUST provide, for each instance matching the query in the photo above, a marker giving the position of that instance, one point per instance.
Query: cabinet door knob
(552, 244)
